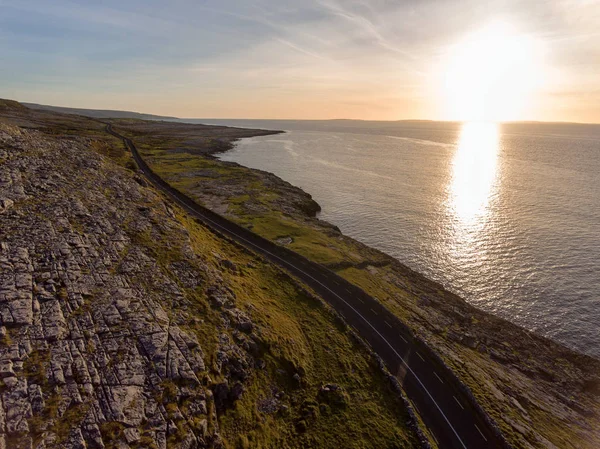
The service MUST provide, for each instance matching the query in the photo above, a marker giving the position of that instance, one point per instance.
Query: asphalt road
(449, 413)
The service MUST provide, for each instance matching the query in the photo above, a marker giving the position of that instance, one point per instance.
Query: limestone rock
(5, 204)
(91, 325)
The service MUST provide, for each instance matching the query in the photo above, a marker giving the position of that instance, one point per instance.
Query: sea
(505, 215)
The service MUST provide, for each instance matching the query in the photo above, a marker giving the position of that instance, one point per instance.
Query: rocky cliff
(123, 323)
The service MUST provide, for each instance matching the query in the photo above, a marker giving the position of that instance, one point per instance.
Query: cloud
(339, 57)
(367, 26)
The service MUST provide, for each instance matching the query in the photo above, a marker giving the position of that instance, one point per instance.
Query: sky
(321, 59)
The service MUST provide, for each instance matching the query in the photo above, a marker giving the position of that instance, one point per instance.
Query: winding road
(450, 414)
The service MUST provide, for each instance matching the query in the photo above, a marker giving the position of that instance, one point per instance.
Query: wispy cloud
(300, 49)
(280, 57)
(366, 25)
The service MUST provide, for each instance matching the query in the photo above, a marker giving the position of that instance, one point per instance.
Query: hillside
(540, 393)
(98, 113)
(124, 323)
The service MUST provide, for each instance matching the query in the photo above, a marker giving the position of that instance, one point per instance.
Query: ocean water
(507, 216)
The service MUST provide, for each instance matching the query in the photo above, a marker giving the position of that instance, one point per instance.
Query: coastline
(423, 281)
(532, 387)
(511, 248)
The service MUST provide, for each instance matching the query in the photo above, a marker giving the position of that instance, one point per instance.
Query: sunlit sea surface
(507, 216)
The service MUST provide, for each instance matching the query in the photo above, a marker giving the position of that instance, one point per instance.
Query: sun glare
(491, 75)
(474, 172)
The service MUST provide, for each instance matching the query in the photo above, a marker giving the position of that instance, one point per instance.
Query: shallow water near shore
(507, 216)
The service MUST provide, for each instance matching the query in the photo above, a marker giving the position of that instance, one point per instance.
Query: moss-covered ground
(301, 335)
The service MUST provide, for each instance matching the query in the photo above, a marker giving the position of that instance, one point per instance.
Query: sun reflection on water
(474, 168)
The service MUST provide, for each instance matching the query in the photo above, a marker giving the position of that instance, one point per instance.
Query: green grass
(300, 335)
(307, 241)
(271, 224)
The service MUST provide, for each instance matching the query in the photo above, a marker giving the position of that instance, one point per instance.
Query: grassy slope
(298, 334)
(301, 335)
(537, 391)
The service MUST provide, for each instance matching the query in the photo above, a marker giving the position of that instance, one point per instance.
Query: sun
(491, 74)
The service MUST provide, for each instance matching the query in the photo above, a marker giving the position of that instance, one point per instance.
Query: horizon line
(316, 120)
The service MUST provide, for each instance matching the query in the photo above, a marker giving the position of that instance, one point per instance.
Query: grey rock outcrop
(93, 347)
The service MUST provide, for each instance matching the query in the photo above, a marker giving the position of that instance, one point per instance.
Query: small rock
(5, 204)
(240, 320)
(221, 394)
(219, 297)
(284, 241)
(76, 440)
(260, 364)
(197, 407)
(36, 398)
(268, 405)
(94, 436)
(203, 428)
(6, 369)
(140, 180)
(470, 341)
(171, 428)
(228, 264)
(131, 435)
(333, 395)
(11, 382)
(236, 392)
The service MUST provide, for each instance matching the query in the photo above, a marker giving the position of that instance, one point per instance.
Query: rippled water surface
(507, 216)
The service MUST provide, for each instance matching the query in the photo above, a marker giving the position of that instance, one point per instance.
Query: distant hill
(99, 113)
(10, 104)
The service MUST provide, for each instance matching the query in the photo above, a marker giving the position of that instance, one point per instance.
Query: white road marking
(388, 324)
(374, 312)
(480, 432)
(439, 378)
(458, 402)
(285, 262)
(420, 356)
(403, 339)
(361, 301)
